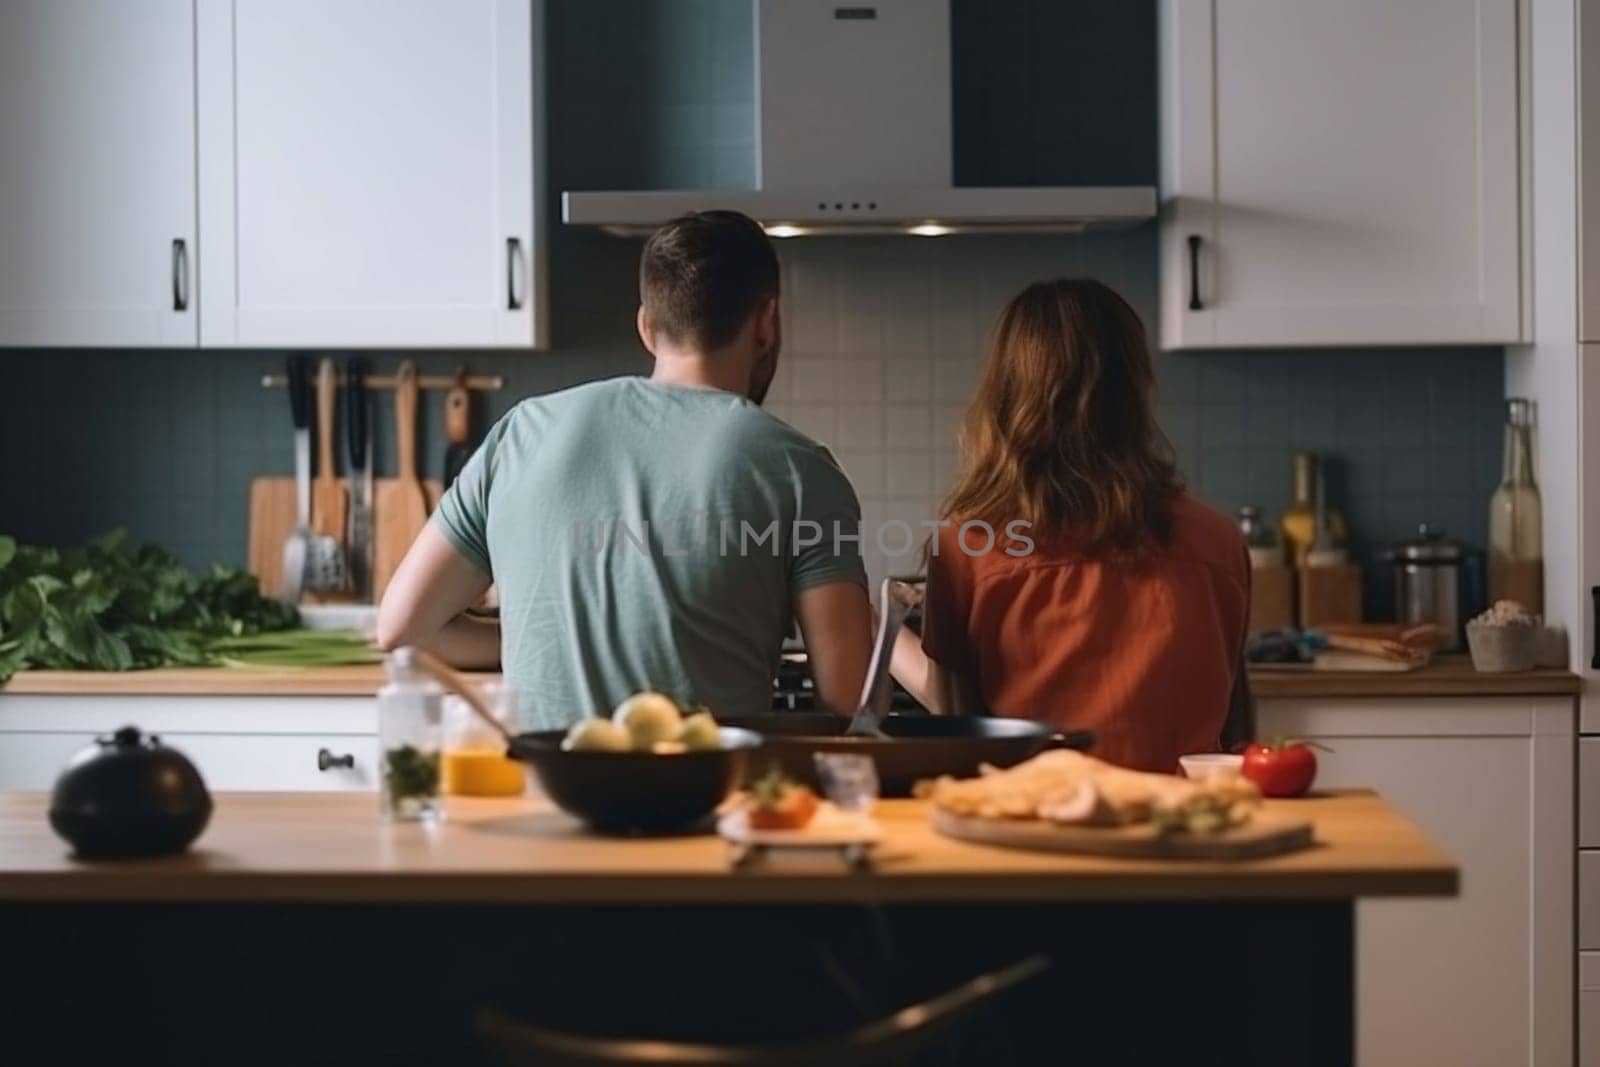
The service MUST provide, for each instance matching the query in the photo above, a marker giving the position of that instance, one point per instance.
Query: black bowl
(636, 792)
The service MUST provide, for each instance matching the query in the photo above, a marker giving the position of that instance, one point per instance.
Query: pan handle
(1082, 740)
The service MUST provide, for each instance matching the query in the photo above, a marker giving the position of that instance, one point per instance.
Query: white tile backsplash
(908, 427)
(861, 427)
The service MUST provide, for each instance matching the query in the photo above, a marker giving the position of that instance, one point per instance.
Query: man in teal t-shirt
(652, 533)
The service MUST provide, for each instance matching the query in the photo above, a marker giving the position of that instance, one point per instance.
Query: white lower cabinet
(1486, 978)
(238, 743)
(1588, 1008)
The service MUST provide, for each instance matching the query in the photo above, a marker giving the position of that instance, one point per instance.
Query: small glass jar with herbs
(409, 734)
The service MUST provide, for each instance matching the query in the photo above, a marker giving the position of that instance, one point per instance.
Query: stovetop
(793, 689)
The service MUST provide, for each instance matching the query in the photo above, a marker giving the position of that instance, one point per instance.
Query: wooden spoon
(457, 683)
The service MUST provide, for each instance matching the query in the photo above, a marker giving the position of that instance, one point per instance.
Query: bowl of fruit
(651, 767)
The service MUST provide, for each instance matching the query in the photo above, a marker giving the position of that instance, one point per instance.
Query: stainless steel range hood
(855, 138)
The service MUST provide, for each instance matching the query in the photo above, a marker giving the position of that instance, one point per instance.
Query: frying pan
(917, 746)
(905, 748)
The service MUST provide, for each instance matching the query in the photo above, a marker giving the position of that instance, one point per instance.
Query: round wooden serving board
(1263, 835)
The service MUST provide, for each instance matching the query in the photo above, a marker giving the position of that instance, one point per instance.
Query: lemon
(597, 735)
(648, 717)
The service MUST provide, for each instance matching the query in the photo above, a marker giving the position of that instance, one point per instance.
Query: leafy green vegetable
(410, 773)
(103, 607)
(297, 648)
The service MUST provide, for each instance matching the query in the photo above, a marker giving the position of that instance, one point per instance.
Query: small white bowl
(1206, 765)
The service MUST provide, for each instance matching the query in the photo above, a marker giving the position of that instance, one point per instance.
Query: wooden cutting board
(1264, 835)
(400, 504)
(272, 516)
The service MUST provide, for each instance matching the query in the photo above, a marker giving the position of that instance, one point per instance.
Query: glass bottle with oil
(1297, 526)
(1516, 523)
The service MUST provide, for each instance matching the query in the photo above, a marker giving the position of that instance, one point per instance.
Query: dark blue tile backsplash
(884, 336)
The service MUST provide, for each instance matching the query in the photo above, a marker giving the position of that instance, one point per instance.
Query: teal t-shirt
(646, 536)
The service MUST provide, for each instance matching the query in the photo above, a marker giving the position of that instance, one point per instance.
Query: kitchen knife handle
(513, 260)
(1194, 273)
(457, 406)
(180, 274)
(355, 411)
(298, 376)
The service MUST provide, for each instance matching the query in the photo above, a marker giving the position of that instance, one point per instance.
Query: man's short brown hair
(702, 275)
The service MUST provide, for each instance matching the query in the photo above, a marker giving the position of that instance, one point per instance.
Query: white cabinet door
(227, 761)
(238, 742)
(1339, 173)
(1483, 980)
(1588, 157)
(97, 173)
(368, 172)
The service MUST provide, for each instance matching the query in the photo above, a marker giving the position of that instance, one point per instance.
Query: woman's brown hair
(1062, 431)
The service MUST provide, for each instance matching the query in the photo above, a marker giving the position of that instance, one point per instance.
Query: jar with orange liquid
(473, 762)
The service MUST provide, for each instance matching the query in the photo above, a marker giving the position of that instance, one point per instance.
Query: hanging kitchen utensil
(329, 505)
(358, 441)
(457, 427)
(296, 547)
(402, 501)
(128, 795)
(879, 687)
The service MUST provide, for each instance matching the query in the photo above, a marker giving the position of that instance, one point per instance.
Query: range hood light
(929, 229)
(784, 229)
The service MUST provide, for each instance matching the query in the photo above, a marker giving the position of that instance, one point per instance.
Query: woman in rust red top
(1075, 581)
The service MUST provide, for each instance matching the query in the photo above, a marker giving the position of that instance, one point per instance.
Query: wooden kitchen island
(304, 929)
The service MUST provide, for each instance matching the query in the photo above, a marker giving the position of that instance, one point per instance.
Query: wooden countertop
(334, 847)
(202, 681)
(1446, 676)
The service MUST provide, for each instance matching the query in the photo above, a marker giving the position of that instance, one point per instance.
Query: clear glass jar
(408, 739)
(1516, 523)
(474, 762)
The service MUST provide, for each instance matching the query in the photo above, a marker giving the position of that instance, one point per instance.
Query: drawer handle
(1594, 659)
(327, 760)
(1194, 273)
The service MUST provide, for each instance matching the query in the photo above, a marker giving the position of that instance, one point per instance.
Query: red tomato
(1280, 768)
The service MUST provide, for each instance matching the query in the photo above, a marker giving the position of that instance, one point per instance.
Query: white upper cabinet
(1339, 173)
(368, 173)
(97, 173)
(1588, 159)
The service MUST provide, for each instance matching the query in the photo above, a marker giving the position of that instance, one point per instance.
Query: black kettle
(129, 795)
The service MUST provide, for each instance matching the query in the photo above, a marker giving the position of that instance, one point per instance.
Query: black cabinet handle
(513, 259)
(1194, 273)
(327, 760)
(1594, 660)
(180, 274)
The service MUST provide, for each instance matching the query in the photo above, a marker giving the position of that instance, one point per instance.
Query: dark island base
(1178, 983)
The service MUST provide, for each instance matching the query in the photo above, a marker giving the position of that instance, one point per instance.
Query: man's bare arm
(836, 623)
(424, 603)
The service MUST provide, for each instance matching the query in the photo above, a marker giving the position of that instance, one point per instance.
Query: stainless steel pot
(1433, 581)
